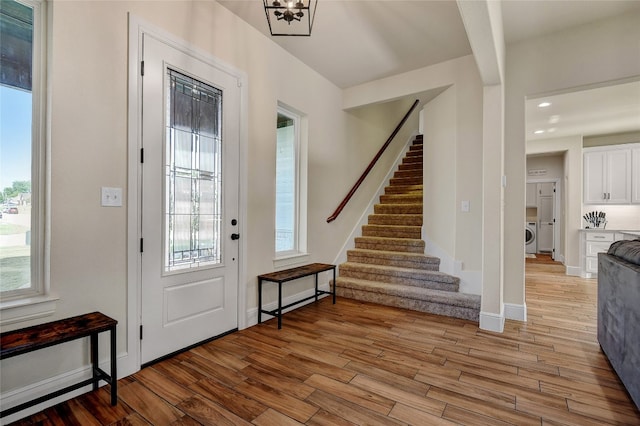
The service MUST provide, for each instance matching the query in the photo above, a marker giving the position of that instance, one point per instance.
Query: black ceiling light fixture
(290, 17)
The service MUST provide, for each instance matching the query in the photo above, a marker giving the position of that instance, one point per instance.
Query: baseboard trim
(492, 322)
(574, 271)
(30, 392)
(252, 314)
(515, 312)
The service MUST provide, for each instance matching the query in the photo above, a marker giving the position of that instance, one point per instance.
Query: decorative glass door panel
(193, 175)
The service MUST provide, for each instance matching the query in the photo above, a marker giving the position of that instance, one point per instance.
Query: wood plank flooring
(358, 363)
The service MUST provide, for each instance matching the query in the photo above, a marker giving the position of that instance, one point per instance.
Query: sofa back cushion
(628, 250)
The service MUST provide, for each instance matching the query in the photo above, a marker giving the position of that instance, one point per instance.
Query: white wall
(552, 164)
(459, 148)
(439, 179)
(88, 81)
(599, 52)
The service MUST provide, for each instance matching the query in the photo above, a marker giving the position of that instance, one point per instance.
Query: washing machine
(530, 237)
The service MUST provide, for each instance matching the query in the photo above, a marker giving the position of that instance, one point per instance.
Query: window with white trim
(22, 144)
(290, 226)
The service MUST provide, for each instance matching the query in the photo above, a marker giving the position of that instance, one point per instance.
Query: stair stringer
(349, 242)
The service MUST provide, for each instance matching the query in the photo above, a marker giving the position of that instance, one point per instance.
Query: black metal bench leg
(316, 286)
(114, 368)
(94, 360)
(279, 305)
(334, 286)
(259, 300)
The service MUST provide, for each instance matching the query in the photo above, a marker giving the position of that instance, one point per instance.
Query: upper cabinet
(607, 176)
(532, 195)
(635, 175)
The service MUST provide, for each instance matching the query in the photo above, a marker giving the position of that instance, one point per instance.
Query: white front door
(190, 167)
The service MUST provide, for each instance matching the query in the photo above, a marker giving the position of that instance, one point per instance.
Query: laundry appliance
(530, 237)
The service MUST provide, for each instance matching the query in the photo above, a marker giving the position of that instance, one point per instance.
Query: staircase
(388, 265)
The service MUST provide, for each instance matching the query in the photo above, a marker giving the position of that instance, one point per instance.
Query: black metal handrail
(371, 164)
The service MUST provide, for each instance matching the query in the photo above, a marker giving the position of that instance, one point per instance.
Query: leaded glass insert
(193, 164)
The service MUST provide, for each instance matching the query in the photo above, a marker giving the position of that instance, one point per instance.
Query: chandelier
(282, 13)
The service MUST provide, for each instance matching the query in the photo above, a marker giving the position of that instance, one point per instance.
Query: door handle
(235, 236)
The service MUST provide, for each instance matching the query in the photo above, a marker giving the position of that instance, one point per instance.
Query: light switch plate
(465, 206)
(111, 197)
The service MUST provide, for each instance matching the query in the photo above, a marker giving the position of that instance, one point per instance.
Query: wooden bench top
(40, 336)
(295, 273)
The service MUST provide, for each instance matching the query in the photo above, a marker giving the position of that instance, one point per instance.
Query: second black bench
(289, 275)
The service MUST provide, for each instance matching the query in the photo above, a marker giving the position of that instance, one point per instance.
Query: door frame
(137, 27)
(560, 257)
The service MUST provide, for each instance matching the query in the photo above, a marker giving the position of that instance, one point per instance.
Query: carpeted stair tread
(406, 181)
(393, 231)
(403, 189)
(408, 173)
(410, 166)
(393, 295)
(397, 208)
(401, 199)
(390, 244)
(394, 258)
(417, 304)
(412, 159)
(440, 296)
(400, 276)
(396, 219)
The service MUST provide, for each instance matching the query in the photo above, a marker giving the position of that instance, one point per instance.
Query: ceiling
(356, 41)
(589, 112)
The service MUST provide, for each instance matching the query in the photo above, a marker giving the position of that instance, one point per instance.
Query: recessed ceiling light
(539, 132)
(554, 119)
(551, 129)
(544, 104)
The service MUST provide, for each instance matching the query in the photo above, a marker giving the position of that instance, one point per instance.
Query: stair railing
(371, 164)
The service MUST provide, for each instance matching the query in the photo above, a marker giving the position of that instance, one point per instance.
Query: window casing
(23, 26)
(290, 223)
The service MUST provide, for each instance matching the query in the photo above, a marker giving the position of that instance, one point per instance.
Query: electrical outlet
(111, 197)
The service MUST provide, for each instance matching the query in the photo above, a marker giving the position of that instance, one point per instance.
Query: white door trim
(556, 213)
(137, 27)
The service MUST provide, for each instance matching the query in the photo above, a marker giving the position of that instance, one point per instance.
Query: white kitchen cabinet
(594, 242)
(532, 195)
(607, 176)
(635, 175)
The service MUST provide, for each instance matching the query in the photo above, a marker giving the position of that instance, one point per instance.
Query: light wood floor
(356, 363)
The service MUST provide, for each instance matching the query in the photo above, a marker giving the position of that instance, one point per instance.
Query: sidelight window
(22, 143)
(290, 226)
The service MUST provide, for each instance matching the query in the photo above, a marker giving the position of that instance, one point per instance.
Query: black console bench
(289, 275)
(29, 339)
